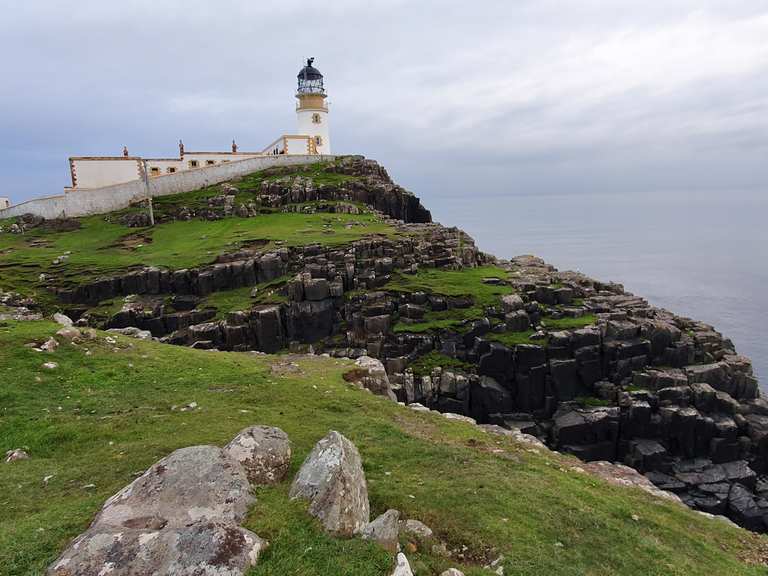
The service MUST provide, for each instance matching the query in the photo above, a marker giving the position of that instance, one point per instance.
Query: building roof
(309, 72)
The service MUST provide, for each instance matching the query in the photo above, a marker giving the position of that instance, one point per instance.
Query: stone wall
(101, 200)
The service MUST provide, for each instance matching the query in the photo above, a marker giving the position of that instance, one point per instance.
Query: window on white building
(155, 171)
(318, 140)
(171, 169)
(316, 118)
(193, 164)
(210, 162)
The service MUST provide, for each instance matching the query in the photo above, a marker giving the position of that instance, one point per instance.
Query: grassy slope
(102, 417)
(96, 247)
(464, 282)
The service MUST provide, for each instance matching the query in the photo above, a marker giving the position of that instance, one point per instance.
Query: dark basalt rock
(683, 407)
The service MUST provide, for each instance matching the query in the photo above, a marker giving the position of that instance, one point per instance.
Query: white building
(312, 137)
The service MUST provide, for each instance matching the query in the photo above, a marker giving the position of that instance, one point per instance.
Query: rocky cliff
(581, 364)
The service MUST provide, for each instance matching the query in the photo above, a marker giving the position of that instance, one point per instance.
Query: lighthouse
(311, 109)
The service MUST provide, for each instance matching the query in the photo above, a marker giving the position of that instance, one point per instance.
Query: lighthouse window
(318, 140)
(316, 118)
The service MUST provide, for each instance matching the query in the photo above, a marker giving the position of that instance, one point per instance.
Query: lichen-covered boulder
(191, 484)
(416, 529)
(264, 452)
(179, 518)
(202, 548)
(384, 530)
(333, 481)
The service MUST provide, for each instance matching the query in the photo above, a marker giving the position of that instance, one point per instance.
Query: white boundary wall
(100, 200)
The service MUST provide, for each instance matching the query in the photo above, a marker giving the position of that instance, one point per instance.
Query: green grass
(248, 188)
(102, 417)
(240, 299)
(569, 323)
(592, 401)
(424, 365)
(513, 338)
(463, 282)
(100, 248)
(237, 299)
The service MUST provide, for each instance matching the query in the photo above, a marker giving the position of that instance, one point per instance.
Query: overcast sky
(504, 97)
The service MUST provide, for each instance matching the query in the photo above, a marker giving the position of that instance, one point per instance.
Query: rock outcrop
(180, 517)
(384, 530)
(192, 484)
(577, 363)
(333, 481)
(263, 452)
(203, 548)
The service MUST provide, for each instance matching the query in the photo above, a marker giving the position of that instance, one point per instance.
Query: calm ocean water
(698, 254)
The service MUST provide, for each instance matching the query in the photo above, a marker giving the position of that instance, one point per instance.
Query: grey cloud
(511, 96)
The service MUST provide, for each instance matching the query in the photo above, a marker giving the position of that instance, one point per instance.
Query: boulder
(488, 397)
(180, 517)
(384, 530)
(716, 375)
(590, 434)
(191, 484)
(415, 529)
(620, 475)
(133, 332)
(263, 452)
(333, 481)
(68, 332)
(202, 548)
(402, 567)
(511, 303)
(565, 378)
(266, 321)
(50, 345)
(317, 289)
(62, 319)
(645, 455)
(373, 376)
(517, 321)
(496, 363)
(528, 356)
(14, 455)
(745, 510)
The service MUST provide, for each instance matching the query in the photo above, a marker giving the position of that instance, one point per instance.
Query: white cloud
(497, 81)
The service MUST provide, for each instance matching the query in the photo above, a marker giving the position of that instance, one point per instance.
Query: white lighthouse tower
(312, 110)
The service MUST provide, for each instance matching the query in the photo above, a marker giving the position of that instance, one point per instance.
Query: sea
(701, 254)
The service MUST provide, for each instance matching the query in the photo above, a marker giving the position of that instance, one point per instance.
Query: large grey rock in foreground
(201, 549)
(191, 484)
(179, 518)
(333, 481)
(264, 452)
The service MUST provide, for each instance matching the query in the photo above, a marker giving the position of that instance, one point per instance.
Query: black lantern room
(310, 79)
